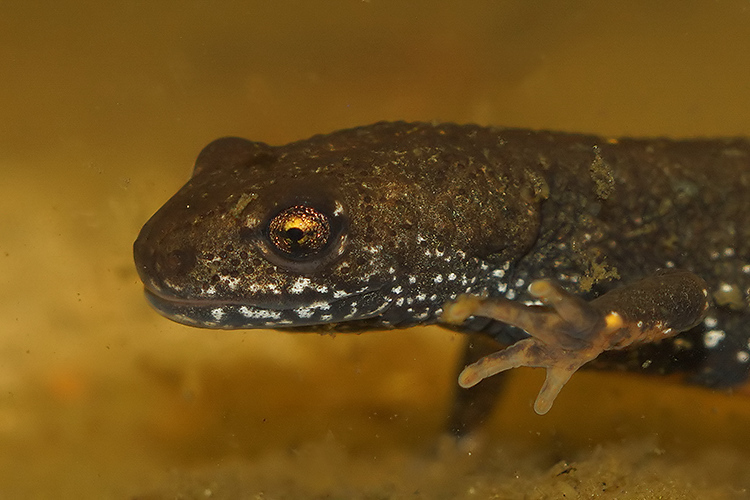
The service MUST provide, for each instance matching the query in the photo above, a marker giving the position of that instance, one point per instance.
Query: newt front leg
(567, 332)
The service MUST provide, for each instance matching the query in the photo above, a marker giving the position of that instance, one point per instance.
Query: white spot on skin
(217, 313)
(397, 290)
(438, 278)
(321, 304)
(338, 209)
(498, 273)
(412, 280)
(729, 252)
(232, 283)
(712, 338)
(382, 307)
(710, 322)
(304, 312)
(300, 285)
(451, 276)
(253, 313)
(743, 356)
(173, 286)
(746, 269)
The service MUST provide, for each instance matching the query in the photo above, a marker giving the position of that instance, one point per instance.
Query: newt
(566, 249)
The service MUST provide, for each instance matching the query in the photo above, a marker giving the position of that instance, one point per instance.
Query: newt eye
(299, 231)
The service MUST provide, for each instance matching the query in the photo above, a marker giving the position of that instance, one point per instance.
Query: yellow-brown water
(103, 107)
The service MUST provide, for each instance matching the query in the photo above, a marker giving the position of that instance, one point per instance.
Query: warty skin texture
(421, 213)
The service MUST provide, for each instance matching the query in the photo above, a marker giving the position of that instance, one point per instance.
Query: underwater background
(103, 108)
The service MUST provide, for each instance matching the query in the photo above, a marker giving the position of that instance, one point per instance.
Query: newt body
(381, 226)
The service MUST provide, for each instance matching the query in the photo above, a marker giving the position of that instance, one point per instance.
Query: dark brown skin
(380, 226)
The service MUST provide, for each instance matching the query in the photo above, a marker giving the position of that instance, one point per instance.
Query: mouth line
(158, 298)
(154, 296)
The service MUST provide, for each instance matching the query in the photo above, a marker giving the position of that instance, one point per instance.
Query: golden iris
(299, 231)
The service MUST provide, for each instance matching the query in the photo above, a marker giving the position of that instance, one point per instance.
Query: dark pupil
(299, 231)
(295, 234)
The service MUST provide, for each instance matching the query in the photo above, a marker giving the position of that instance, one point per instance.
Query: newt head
(255, 241)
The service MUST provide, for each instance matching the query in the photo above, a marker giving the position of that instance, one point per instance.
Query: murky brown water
(104, 106)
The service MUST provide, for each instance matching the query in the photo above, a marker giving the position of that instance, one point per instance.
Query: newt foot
(568, 332)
